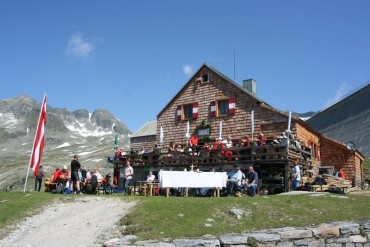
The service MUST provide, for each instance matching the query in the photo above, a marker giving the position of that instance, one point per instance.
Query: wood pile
(334, 184)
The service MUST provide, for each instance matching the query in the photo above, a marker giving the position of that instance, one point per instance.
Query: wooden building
(145, 136)
(210, 100)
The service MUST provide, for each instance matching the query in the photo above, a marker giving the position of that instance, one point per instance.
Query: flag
(38, 144)
(116, 142)
(161, 135)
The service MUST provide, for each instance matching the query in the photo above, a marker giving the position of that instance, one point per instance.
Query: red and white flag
(38, 144)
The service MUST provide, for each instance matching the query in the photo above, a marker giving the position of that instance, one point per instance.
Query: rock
(111, 242)
(357, 239)
(127, 239)
(349, 228)
(326, 231)
(196, 242)
(295, 234)
(231, 239)
(264, 237)
(159, 244)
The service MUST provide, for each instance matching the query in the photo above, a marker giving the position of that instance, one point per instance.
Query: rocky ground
(84, 221)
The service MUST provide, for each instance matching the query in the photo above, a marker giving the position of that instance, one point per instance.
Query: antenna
(234, 65)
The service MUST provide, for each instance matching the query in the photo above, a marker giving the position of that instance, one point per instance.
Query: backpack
(67, 191)
(94, 180)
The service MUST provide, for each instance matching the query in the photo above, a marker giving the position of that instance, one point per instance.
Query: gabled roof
(148, 129)
(244, 90)
(348, 120)
(221, 75)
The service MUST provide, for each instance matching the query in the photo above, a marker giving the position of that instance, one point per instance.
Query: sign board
(203, 132)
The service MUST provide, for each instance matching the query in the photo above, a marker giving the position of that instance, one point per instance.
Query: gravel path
(84, 221)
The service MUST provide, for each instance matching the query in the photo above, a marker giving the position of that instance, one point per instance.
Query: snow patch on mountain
(83, 131)
(96, 160)
(66, 144)
(8, 120)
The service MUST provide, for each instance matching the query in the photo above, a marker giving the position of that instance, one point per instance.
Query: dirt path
(85, 221)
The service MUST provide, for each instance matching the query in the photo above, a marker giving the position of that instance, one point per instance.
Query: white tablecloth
(182, 179)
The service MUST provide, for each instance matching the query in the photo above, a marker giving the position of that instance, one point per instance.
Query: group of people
(77, 180)
(239, 182)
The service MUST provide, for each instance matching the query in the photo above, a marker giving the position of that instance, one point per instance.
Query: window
(205, 78)
(188, 111)
(223, 107)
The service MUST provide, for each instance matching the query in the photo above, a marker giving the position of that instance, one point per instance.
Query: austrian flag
(38, 144)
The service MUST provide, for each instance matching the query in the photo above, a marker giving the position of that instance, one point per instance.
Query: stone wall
(337, 234)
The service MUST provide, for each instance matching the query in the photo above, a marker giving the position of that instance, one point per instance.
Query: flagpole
(33, 146)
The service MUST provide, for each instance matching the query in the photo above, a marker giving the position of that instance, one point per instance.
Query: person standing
(127, 176)
(75, 168)
(296, 176)
(38, 179)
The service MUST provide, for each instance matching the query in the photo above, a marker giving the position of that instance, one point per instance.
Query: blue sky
(132, 57)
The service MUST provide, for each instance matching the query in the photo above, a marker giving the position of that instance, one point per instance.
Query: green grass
(162, 217)
(178, 217)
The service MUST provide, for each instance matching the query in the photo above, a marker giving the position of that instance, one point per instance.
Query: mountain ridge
(89, 134)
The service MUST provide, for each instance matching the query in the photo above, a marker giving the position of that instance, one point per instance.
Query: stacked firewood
(338, 184)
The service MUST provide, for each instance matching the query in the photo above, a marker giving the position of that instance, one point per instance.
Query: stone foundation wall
(337, 234)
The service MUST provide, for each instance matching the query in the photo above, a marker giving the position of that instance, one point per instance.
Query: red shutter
(213, 108)
(178, 113)
(231, 106)
(195, 110)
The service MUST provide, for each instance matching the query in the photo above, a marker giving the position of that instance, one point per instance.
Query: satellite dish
(350, 145)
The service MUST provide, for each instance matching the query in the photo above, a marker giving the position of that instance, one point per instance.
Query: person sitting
(252, 181)
(228, 142)
(226, 145)
(171, 149)
(150, 178)
(93, 184)
(107, 184)
(235, 179)
(261, 139)
(178, 148)
(217, 145)
(54, 176)
(245, 142)
(341, 173)
(98, 176)
(63, 175)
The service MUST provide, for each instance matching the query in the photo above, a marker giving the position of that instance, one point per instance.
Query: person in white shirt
(150, 178)
(98, 175)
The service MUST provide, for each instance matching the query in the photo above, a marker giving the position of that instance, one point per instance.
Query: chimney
(250, 85)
